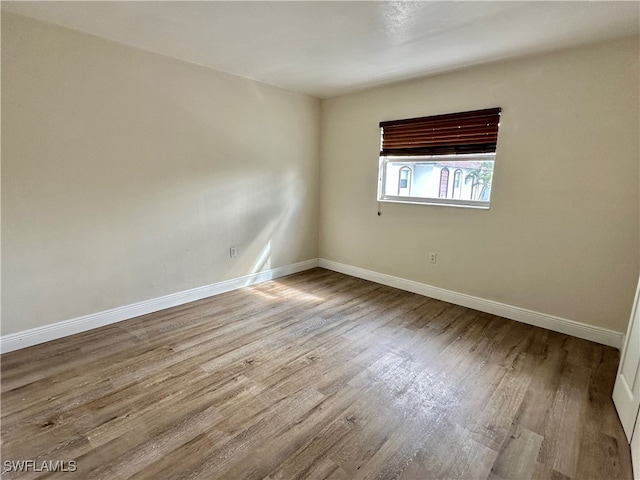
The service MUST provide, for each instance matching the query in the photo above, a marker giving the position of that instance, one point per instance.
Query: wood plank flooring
(316, 375)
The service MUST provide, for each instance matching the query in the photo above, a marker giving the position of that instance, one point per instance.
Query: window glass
(429, 179)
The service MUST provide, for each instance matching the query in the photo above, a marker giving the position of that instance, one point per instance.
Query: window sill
(444, 202)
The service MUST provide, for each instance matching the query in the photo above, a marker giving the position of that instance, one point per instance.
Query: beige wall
(562, 233)
(128, 175)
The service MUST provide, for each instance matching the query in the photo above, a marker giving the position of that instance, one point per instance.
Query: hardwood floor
(316, 375)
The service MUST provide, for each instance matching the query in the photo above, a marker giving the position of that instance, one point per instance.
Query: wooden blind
(453, 133)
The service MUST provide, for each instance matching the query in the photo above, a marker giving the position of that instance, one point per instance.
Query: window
(444, 182)
(456, 183)
(418, 155)
(404, 181)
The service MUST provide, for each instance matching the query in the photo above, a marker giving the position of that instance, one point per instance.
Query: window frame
(450, 202)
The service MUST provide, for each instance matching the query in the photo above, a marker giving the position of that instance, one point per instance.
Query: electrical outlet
(433, 257)
(233, 252)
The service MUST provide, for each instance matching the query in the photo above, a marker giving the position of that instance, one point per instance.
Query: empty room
(320, 240)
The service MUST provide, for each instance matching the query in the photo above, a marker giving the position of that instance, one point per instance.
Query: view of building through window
(435, 178)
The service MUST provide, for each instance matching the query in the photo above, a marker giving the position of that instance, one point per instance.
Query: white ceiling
(330, 48)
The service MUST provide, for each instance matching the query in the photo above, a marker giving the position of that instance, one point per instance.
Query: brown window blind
(453, 133)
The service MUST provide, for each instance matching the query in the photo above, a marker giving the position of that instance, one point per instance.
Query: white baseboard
(34, 336)
(570, 327)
